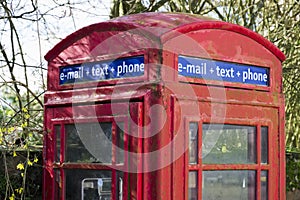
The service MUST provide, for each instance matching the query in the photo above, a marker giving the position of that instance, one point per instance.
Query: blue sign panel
(222, 71)
(101, 71)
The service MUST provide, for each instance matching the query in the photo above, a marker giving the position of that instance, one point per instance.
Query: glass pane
(228, 144)
(264, 185)
(89, 142)
(57, 138)
(88, 184)
(193, 143)
(264, 144)
(58, 183)
(120, 144)
(229, 185)
(193, 185)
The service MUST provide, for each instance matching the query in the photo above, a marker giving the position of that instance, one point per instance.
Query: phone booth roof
(169, 24)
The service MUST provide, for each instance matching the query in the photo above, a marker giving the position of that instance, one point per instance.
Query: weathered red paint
(207, 38)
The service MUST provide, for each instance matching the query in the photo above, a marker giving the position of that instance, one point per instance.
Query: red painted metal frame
(245, 104)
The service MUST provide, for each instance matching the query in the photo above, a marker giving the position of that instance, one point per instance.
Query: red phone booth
(164, 106)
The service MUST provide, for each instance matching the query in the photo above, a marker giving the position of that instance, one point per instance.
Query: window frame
(258, 166)
(123, 113)
(114, 167)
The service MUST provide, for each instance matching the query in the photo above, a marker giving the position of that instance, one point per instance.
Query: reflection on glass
(264, 144)
(193, 185)
(228, 185)
(88, 184)
(57, 138)
(193, 143)
(228, 144)
(120, 144)
(264, 185)
(89, 142)
(119, 184)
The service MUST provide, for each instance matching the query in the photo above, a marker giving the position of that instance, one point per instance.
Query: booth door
(90, 157)
(234, 156)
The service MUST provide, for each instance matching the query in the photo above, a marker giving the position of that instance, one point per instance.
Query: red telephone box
(164, 106)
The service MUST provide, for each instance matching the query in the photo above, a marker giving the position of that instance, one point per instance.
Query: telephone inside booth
(98, 188)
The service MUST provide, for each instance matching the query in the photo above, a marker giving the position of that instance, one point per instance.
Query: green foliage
(284, 32)
(12, 175)
(24, 122)
(293, 171)
(121, 7)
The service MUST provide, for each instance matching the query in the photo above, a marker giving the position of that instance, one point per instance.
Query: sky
(59, 20)
(68, 21)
